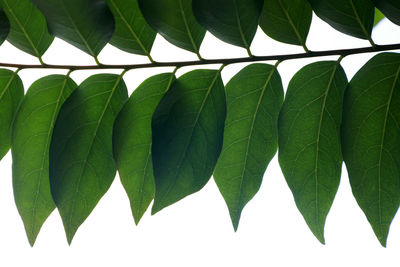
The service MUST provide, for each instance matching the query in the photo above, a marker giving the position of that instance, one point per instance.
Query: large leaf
(309, 139)
(133, 139)
(4, 26)
(28, 27)
(86, 24)
(232, 21)
(187, 135)
(254, 98)
(82, 167)
(31, 137)
(175, 21)
(371, 140)
(286, 21)
(132, 33)
(390, 8)
(352, 17)
(11, 94)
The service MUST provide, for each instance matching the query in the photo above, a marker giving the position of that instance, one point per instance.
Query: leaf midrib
(245, 43)
(302, 42)
(196, 49)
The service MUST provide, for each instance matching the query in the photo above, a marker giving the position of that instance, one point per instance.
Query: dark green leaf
(86, 24)
(352, 17)
(309, 139)
(31, 137)
(4, 26)
(378, 17)
(82, 167)
(175, 21)
(132, 33)
(28, 27)
(390, 8)
(286, 21)
(371, 140)
(232, 21)
(11, 94)
(132, 142)
(187, 135)
(254, 98)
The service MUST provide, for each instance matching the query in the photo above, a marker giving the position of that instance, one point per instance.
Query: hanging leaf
(11, 94)
(309, 139)
(174, 20)
(378, 17)
(82, 167)
(31, 137)
(355, 18)
(286, 21)
(86, 24)
(132, 33)
(4, 26)
(390, 8)
(132, 142)
(254, 98)
(233, 21)
(28, 27)
(371, 140)
(187, 136)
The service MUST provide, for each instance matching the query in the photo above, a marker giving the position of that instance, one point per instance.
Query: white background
(197, 230)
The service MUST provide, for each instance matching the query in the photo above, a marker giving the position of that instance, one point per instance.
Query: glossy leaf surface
(11, 94)
(232, 21)
(187, 135)
(4, 26)
(132, 142)
(31, 138)
(28, 27)
(371, 140)
(132, 33)
(174, 20)
(286, 21)
(254, 98)
(309, 139)
(86, 24)
(82, 167)
(390, 8)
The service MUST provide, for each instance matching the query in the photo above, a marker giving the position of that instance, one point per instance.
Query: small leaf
(286, 21)
(309, 139)
(378, 17)
(254, 98)
(174, 20)
(132, 33)
(86, 24)
(233, 21)
(82, 167)
(132, 142)
(187, 136)
(4, 26)
(371, 140)
(31, 137)
(355, 18)
(11, 94)
(28, 27)
(390, 8)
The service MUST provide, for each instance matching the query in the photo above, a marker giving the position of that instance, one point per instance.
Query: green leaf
(28, 27)
(187, 135)
(390, 8)
(86, 24)
(11, 94)
(4, 26)
(286, 21)
(309, 139)
(378, 17)
(174, 20)
(82, 167)
(132, 142)
(233, 21)
(371, 140)
(352, 17)
(132, 33)
(31, 137)
(254, 98)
